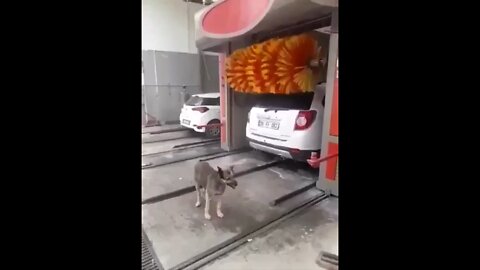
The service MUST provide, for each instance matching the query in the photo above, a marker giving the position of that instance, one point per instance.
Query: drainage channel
(221, 249)
(179, 147)
(149, 258)
(185, 190)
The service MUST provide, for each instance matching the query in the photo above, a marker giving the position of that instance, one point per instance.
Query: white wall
(168, 25)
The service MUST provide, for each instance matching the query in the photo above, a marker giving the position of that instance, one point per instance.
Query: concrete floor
(179, 231)
(294, 244)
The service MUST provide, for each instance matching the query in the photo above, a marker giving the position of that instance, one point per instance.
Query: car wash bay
(255, 214)
(282, 214)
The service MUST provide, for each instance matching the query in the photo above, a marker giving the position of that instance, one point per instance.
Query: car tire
(213, 132)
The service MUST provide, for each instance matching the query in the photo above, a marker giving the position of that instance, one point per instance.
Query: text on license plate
(269, 124)
(186, 122)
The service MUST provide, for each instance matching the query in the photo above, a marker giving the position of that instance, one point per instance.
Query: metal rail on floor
(219, 250)
(169, 195)
(210, 125)
(182, 147)
(171, 139)
(149, 165)
(185, 190)
(292, 194)
(168, 130)
(180, 160)
(259, 168)
(167, 140)
(195, 143)
(329, 258)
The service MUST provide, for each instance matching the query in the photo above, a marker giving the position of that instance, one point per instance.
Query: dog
(212, 183)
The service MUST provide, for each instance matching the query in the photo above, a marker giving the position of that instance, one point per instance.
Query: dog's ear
(220, 172)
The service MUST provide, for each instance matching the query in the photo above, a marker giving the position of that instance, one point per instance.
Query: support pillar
(328, 178)
(225, 137)
(233, 113)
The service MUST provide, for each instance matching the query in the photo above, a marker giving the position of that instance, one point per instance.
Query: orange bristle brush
(279, 66)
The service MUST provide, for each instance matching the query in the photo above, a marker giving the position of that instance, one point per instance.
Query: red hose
(315, 162)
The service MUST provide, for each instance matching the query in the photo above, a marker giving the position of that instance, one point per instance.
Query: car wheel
(213, 131)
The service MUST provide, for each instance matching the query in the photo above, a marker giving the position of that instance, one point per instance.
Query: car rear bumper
(296, 154)
(192, 124)
(270, 149)
(194, 127)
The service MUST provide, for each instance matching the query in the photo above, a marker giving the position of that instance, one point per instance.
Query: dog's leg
(207, 205)
(197, 188)
(219, 208)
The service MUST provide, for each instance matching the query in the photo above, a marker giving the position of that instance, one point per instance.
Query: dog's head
(227, 177)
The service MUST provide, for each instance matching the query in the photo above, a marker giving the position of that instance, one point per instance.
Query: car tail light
(200, 109)
(304, 119)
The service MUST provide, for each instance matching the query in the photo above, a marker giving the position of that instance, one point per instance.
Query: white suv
(200, 110)
(288, 125)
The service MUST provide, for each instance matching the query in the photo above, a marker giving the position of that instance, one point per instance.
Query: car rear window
(294, 102)
(199, 101)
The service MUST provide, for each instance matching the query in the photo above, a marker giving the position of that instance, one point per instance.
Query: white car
(200, 110)
(288, 125)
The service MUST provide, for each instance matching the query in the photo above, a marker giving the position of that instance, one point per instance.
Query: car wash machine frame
(227, 25)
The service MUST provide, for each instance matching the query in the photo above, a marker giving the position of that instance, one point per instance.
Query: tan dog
(212, 183)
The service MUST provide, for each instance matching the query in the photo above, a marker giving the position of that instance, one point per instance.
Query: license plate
(269, 124)
(186, 122)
